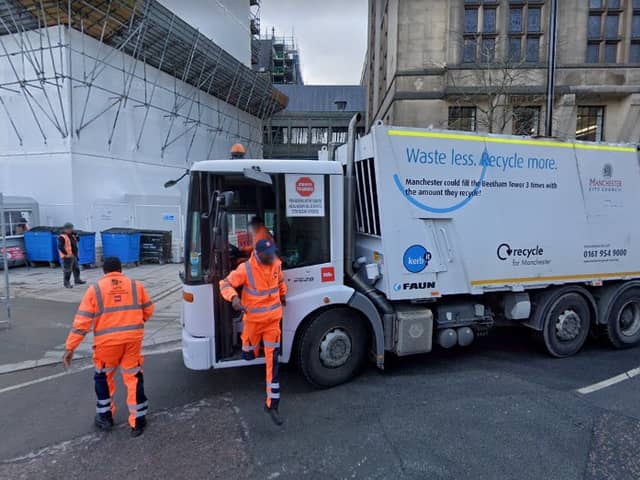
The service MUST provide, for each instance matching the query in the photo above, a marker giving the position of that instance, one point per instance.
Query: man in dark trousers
(68, 249)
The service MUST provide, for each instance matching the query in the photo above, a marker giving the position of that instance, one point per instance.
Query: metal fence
(5, 296)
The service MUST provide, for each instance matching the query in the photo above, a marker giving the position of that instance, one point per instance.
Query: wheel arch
(607, 295)
(542, 300)
(365, 310)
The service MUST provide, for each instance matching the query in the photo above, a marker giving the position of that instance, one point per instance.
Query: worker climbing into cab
(68, 250)
(263, 296)
(117, 308)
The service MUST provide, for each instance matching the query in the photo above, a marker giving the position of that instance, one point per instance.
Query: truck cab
(301, 203)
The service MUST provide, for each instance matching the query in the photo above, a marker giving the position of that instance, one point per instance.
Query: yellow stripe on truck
(509, 141)
(556, 278)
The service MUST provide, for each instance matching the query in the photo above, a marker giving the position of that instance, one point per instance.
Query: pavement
(500, 409)
(42, 313)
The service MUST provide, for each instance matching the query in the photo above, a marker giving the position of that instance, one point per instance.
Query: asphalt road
(501, 409)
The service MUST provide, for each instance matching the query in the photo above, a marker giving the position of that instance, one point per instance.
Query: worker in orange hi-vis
(116, 308)
(263, 296)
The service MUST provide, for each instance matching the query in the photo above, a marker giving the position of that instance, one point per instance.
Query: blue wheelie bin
(86, 248)
(123, 243)
(41, 245)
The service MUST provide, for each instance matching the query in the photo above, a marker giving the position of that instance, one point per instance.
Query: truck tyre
(567, 320)
(333, 348)
(623, 323)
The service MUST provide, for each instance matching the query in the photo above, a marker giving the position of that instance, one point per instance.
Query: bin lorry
(412, 238)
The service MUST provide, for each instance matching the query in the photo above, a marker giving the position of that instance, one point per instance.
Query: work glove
(67, 357)
(237, 305)
(283, 300)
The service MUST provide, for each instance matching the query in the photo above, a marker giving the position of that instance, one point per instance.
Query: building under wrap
(95, 118)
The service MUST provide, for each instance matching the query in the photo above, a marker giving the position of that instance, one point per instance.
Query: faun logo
(607, 170)
(398, 287)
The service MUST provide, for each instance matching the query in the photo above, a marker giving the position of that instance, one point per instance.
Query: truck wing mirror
(226, 198)
(256, 175)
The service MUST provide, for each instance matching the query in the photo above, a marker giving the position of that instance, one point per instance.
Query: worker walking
(117, 308)
(68, 250)
(263, 295)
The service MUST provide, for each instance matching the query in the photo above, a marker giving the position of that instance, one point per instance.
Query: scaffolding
(141, 34)
(279, 56)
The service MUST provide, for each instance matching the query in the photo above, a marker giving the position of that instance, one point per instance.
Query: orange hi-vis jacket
(262, 286)
(117, 307)
(67, 246)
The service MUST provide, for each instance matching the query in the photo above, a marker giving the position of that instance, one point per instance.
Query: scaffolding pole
(6, 299)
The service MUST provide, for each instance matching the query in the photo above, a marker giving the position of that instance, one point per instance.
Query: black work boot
(67, 285)
(104, 423)
(275, 416)
(79, 282)
(141, 423)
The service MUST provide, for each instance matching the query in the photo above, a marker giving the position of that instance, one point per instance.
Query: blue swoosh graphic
(452, 208)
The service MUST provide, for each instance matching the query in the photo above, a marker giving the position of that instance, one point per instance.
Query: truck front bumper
(196, 352)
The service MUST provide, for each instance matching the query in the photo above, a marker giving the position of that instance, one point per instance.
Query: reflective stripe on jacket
(262, 285)
(115, 308)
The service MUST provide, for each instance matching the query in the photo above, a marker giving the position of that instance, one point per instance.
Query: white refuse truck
(417, 237)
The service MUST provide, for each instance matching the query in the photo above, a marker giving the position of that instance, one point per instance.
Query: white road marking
(609, 381)
(158, 351)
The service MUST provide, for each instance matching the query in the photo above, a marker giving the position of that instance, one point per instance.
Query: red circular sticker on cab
(305, 186)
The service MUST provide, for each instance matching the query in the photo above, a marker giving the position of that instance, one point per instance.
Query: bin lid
(121, 230)
(44, 228)
(82, 233)
(155, 232)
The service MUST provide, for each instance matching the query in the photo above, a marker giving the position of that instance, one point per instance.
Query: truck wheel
(623, 324)
(567, 321)
(333, 348)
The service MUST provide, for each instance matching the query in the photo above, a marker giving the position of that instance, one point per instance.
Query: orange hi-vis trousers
(127, 356)
(268, 333)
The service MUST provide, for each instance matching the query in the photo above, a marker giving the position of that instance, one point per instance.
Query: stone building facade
(482, 65)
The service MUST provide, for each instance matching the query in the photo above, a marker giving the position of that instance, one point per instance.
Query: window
(367, 209)
(533, 49)
(462, 118)
(16, 221)
(611, 53)
(319, 135)
(515, 48)
(339, 135)
(526, 120)
(489, 20)
(303, 241)
(469, 54)
(470, 20)
(634, 53)
(515, 20)
(612, 24)
(525, 29)
(279, 135)
(590, 124)
(488, 53)
(603, 31)
(479, 44)
(593, 53)
(299, 135)
(634, 49)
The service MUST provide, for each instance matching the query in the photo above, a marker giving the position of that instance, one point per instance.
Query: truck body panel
(471, 213)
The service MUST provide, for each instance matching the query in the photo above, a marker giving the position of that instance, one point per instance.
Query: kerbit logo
(398, 287)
